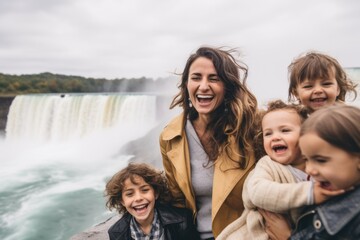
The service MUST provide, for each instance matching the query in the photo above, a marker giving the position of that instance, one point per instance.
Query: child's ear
(156, 196)
(295, 93)
(338, 91)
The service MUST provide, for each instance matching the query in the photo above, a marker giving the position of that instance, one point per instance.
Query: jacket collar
(178, 155)
(174, 128)
(168, 215)
(122, 227)
(339, 211)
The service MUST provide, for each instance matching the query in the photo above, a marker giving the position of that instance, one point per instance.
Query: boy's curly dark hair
(275, 105)
(152, 176)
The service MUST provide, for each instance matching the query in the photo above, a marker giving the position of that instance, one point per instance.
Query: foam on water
(54, 189)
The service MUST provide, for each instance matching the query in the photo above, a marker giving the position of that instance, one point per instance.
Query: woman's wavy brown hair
(236, 115)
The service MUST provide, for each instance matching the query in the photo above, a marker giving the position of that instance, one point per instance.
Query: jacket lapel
(180, 157)
(226, 176)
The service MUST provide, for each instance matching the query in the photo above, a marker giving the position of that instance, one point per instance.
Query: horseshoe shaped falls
(58, 153)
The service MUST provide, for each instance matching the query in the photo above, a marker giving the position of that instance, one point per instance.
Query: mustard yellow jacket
(228, 180)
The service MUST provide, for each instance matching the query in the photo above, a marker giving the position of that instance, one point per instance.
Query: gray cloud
(118, 38)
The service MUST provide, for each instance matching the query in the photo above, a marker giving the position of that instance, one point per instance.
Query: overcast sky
(153, 38)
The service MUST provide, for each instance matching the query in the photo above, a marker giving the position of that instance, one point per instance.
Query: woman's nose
(204, 85)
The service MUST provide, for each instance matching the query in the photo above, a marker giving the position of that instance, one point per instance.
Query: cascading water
(60, 117)
(56, 157)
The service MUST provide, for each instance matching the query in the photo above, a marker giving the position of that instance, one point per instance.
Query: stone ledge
(97, 232)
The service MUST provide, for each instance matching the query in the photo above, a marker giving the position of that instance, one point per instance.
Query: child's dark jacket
(338, 218)
(177, 223)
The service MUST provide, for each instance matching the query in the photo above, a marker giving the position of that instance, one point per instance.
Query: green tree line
(57, 83)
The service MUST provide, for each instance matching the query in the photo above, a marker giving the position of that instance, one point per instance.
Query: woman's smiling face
(333, 167)
(206, 90)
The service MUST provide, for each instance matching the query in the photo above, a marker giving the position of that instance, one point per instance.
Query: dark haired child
(140, 193)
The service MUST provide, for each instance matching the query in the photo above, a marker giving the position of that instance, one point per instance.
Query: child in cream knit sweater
(279, 182)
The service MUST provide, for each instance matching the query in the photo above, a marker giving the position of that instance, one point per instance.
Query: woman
(211, 140)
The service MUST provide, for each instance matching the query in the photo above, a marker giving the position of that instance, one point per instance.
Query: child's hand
(322, 194)
(276, 225)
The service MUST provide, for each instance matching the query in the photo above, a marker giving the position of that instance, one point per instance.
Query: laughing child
(318, 80)
(279, 182)
(140, 194)
(330, 141)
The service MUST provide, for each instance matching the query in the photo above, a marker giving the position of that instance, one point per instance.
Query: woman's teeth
(204, 97)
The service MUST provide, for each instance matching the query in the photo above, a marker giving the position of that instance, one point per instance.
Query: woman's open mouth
(204, 98)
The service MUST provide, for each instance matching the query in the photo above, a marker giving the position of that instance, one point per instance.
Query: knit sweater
(270, 186)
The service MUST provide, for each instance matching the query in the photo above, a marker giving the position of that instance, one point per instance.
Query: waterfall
(58, 153)
(60, 117)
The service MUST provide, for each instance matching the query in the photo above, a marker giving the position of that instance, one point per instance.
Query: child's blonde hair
(314, 65)
(151, 176)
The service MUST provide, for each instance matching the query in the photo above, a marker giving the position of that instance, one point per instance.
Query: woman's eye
(214, 79)
(195, 77)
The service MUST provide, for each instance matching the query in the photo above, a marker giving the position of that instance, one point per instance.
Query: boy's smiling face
(138, 198)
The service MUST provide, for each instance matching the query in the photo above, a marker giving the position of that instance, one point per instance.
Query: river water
(53, 179)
